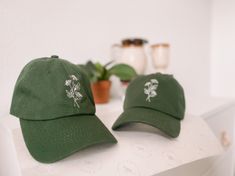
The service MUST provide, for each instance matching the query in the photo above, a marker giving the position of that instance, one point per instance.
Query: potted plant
(99, 76)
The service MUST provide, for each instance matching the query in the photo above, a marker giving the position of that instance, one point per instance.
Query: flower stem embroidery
(150, 89)
(74, 93)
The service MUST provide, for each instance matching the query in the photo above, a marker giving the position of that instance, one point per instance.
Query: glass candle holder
(160, 55)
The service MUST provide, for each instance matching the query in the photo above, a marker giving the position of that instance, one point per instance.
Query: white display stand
(141, 149)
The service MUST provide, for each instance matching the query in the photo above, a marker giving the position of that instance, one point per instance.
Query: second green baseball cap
(155, 99)
(53, 100)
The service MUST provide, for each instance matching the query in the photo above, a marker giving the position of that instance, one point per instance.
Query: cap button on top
(54, 56)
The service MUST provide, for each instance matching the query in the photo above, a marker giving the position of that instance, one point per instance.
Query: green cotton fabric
(155, 99)
(40, 91)
(53, 100)
(52, 140)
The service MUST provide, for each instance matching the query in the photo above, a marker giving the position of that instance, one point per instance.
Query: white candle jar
(131, 52)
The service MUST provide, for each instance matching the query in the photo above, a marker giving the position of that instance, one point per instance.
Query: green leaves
(123, 71)
(97, 72)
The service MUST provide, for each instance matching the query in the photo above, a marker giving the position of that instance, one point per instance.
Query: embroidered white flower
(74, 93)
(151, 88)
(73, 77)
(67, 82)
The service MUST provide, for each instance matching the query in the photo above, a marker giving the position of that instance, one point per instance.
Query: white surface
(219, 114)
(197, 168)
(207, 106)
(82, 29)
(141, 150)
(223, 48)
(7, 153)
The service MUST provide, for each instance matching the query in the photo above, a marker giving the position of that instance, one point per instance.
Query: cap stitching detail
(74, 93)
(151, 89)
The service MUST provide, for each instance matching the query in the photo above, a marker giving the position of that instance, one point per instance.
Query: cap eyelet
(54, 56)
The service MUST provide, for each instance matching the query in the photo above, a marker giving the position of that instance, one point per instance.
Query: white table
(141, 150)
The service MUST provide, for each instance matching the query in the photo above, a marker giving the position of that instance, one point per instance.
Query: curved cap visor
(166, 123)
(53, 140)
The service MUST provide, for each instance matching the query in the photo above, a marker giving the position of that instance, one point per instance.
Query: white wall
(223, 48)
(222, 72)
(82, 29)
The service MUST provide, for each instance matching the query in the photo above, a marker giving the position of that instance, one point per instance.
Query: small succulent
(74, 93)
(150, 90)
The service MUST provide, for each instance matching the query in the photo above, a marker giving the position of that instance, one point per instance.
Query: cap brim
(52, 140)
(166, 123)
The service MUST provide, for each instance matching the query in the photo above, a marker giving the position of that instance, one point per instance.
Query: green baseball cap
(155, 99)
(54, 103)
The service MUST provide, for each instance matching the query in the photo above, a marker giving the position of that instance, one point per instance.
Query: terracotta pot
(101, 91)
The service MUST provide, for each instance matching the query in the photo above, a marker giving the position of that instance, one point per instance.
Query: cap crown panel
(158, 91)
(41, 91)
